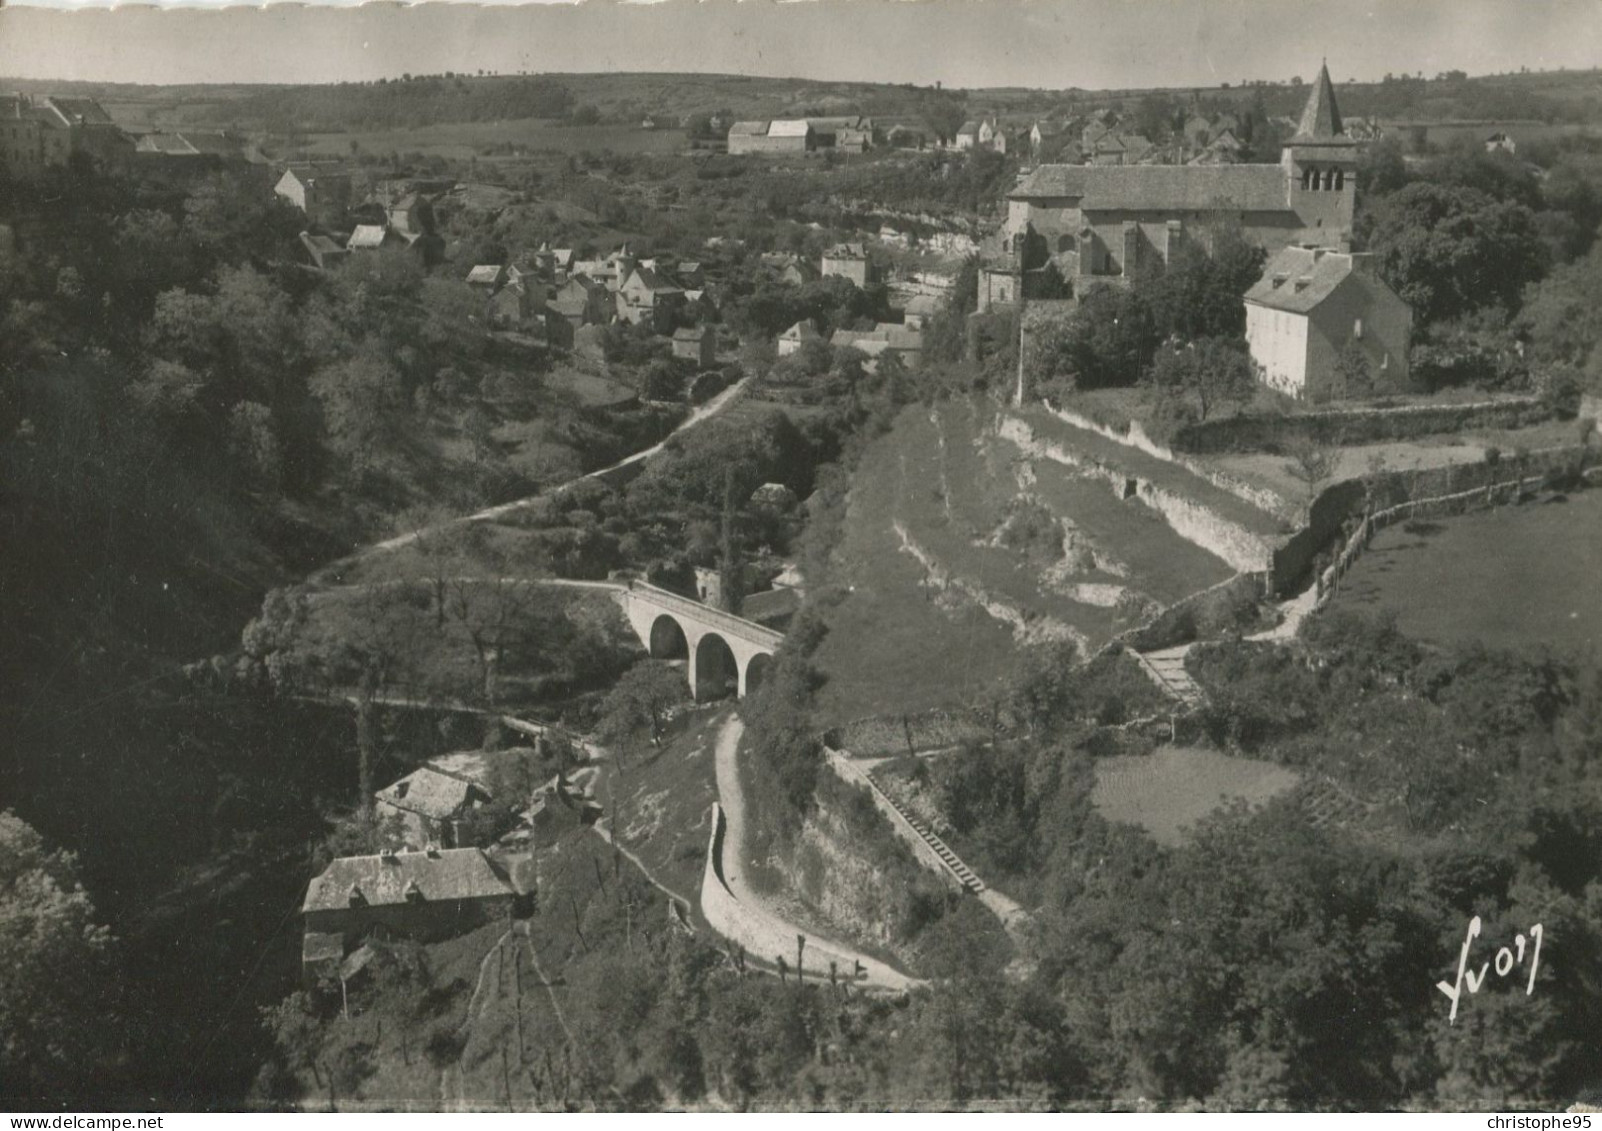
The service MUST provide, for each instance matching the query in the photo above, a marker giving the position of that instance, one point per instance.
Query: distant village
(1096, 200)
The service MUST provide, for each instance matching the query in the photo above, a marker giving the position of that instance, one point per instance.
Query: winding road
(493, 514)
(767, 933)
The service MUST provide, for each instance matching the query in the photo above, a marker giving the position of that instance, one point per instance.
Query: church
(1103, 223)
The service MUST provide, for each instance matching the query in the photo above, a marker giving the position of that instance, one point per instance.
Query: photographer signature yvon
(1505, 961)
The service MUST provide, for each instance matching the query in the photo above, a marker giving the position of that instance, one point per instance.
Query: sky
(1052, 44)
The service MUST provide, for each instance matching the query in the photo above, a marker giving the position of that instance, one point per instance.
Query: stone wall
(1260, 432)
(1242, 549)
(1343, 502)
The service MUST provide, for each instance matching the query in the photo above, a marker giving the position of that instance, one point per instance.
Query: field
(957, 553)
(1261, 469)
(1170, 790)
(1507, 577)
(463, 140)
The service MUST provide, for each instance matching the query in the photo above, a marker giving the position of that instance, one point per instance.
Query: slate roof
(367, 235)
(870, 342)
(430, 793)
(87, 110)
(447, 874)
(1196, 188)
(485, 273)
(923, 304)
(171, 144)
(772, 604)
(1297, 279)
(1321, 117)
(789, 127)
(802, 331)
(651, 281)
(749, 129)
(687, 334)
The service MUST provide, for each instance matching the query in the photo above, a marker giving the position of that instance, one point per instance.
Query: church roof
(1186, 188)
(1321, 117)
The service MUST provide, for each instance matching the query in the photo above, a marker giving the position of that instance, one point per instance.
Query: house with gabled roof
(698, 344)
(323, 251)
(1313, 307)
(645, 298)
(849, 261)
(427, 895)
(430, 805)
(797, 336)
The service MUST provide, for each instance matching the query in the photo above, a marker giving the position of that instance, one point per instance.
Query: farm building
(849, 261)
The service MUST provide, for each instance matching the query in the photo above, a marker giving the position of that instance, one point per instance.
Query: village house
(797, 336)
(582, 301)
(645, 298)
(884, 338)
(798, 273)
(321, 195)
(849, 261)
(919, 309)
(1500, 142)
(699, 345)
(775, 137)
(429, 895)
(1225, 149)
(1313, 312)
(511, 307)
(430, 806)
(412, 215)
(323, 251)
(1100, 223)
(37, 134)
(488, 276)
(967, 136)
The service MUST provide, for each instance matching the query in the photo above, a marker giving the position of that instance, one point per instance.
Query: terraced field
(959, 550)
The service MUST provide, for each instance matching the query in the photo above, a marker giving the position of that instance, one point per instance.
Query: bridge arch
(756, 670)
(716, 672)
(667, 640)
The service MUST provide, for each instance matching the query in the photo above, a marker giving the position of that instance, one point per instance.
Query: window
(1357, 329)
(1340, 179)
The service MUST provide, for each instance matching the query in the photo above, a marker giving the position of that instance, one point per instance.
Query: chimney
(387, 856)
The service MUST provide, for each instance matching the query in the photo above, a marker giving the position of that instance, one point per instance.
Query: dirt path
(771, 934)
(492, 514)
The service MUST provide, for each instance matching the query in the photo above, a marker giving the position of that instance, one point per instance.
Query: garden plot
(1167, 792)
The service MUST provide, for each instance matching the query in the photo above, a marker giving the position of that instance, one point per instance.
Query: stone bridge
(722, 652)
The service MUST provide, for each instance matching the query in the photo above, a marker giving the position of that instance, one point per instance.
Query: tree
(1213, 371)
(1449, 250)
(639, 703)
(1354, 375)
(57, 984)
(1312, 464)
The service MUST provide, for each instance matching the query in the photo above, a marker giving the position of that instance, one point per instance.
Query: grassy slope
(1168, 791)
(667, 797)
(1507, 577)
(893, 646)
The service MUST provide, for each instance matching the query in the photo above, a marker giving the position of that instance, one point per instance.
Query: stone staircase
(953, 863)
(1166, 668)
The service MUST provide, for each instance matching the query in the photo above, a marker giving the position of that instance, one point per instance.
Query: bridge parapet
(716, 645)
(717, 619)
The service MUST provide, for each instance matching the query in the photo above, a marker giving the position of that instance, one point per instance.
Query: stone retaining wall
(1261, 432)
